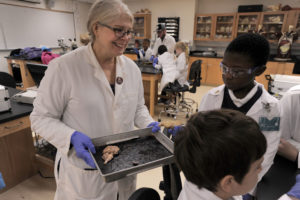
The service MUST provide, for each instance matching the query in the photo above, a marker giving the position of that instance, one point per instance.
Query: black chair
(145, 194)
(7, 80)
(179, 104)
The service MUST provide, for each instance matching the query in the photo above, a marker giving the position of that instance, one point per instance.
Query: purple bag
(31, 53)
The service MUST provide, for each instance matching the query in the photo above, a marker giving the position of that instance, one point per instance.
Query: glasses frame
(237, 72)
(119, 32)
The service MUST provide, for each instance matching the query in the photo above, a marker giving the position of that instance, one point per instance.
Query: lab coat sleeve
(171, 45)
(49, 105)
(284, 197)
(204, 102)
(142, 117)
(287, 120)
(155, 48)
(181, 64)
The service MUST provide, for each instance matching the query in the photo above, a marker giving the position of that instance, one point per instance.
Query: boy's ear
(260, 70)
(227, 183)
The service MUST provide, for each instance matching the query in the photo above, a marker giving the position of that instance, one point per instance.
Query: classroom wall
(80, 10)
(227, 6)
(169, 8)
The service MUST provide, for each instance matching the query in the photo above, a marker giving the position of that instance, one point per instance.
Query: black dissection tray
(140, 150)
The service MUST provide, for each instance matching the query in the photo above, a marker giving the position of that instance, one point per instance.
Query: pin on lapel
(119, 80)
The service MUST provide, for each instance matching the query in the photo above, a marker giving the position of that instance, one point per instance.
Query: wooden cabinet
(131, 56)
(224, 27)
(273, 23)
(210, 70)
(275, 68)
(218, 27)
(214, 73)
(17, 160)
(142, 26)
(203, 27)
(247, 22)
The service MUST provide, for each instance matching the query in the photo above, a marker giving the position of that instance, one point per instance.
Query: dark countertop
(17, 109)
(147, 68)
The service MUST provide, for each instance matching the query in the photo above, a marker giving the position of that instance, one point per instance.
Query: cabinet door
(224, 27)
(247, 22)
(273, 24)
(142, 26)
(203, 27)
(272, 68)
(214, 73)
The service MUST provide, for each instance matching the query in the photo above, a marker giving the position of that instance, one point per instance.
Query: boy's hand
(287, 150)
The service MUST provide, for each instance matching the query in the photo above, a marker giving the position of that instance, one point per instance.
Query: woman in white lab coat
(91, 92)
(289, 146)
(182, 53)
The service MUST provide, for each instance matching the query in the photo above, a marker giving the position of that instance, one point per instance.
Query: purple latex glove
(247, 197)
(295, 190)
(155, 126)
(82, 143)
(174, 130)
(151, 58)
(155, 61)
(2, 184)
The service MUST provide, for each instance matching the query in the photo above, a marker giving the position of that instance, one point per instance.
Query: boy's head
(221, 150)
(146, 43)
(137, 44)
(244, 58)
(162, 49)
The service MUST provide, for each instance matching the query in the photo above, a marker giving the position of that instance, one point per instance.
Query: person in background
(163, 39)
(244, 59)
(137, 46)
(91, 92)
(216, 152)
(166, 62)
(289, 146)
(182, 53)
(84, 38)
(145, 53)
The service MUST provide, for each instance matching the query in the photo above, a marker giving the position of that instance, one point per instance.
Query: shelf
(224, 22)
(247, 23)
(278, 23)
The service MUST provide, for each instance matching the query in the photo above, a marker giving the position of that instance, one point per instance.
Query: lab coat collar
(100, 75)
(266, 101)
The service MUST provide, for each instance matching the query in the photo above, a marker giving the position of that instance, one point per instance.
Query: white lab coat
(75, 95)
(266, 106)
(191, 192)
(168, 41)
(290, 105)
(166, 61)
(182, 69)
(147, 56)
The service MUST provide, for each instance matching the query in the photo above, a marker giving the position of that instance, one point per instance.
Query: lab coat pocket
(81, 183)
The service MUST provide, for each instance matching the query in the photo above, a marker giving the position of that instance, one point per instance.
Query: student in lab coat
(244, 59)
(145, 53)
(289, 146)
(163, 39)
(166, 62)
(220, 153)
(91, 92)
(182, 53)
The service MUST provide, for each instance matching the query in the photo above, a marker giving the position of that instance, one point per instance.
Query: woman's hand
(82, 143)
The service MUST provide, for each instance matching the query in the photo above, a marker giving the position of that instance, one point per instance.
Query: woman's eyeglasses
(119, 32)
(236, 72)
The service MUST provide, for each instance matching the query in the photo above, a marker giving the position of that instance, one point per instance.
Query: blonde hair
(184, 48)
(106, 11)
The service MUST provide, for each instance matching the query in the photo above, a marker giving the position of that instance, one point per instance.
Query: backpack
(48, 56)
(31, 53)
